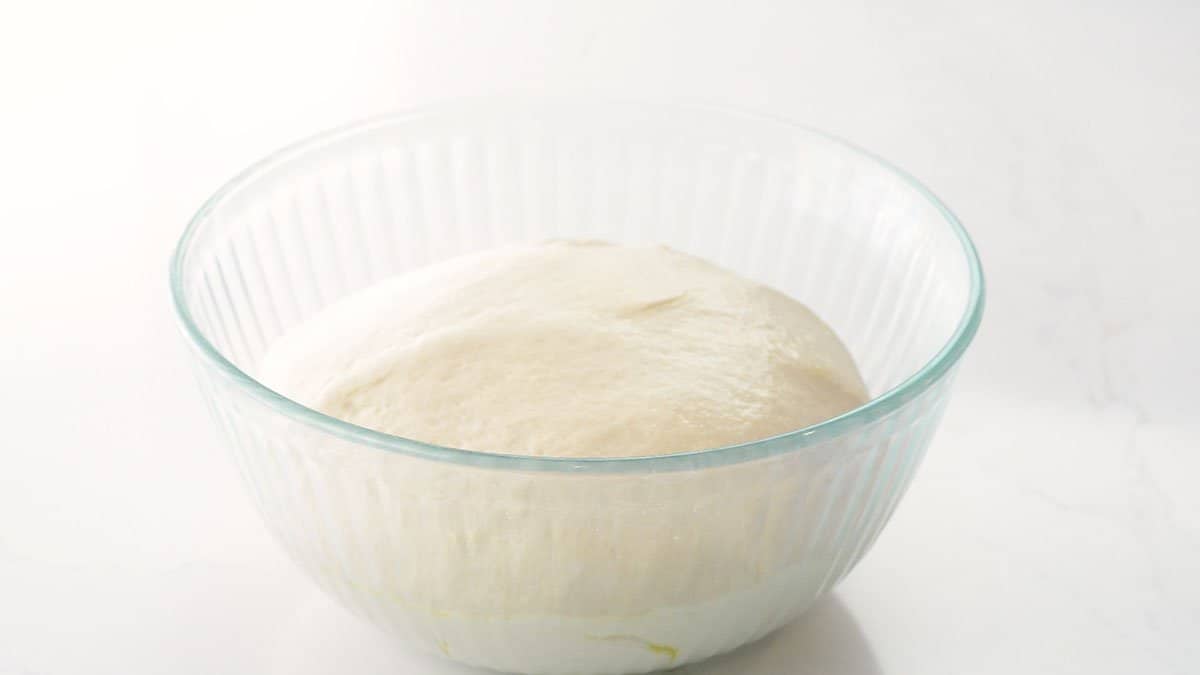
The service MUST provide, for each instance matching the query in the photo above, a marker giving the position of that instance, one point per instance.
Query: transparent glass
(551, 565)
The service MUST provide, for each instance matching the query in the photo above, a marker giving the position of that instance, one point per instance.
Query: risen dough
(570, 349)
(579, 350)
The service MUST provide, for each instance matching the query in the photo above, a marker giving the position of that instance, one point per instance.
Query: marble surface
(1054, 527)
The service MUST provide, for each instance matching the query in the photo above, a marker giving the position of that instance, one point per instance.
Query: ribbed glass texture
(573, 566)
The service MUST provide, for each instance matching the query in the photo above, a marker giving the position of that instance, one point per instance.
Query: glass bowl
(586, 566)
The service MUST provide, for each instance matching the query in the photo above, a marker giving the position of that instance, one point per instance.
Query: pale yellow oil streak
(658, 648)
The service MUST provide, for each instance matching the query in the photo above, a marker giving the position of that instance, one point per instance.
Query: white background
(1055, 525)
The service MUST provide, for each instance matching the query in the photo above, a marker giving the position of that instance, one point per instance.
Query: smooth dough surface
(579, 349)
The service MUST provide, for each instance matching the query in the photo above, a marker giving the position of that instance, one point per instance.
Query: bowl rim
(788, 442)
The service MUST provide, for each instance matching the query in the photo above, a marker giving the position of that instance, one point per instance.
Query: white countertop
(1054, 527)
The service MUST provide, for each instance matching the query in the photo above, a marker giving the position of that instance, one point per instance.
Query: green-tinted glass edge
(791, 441)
